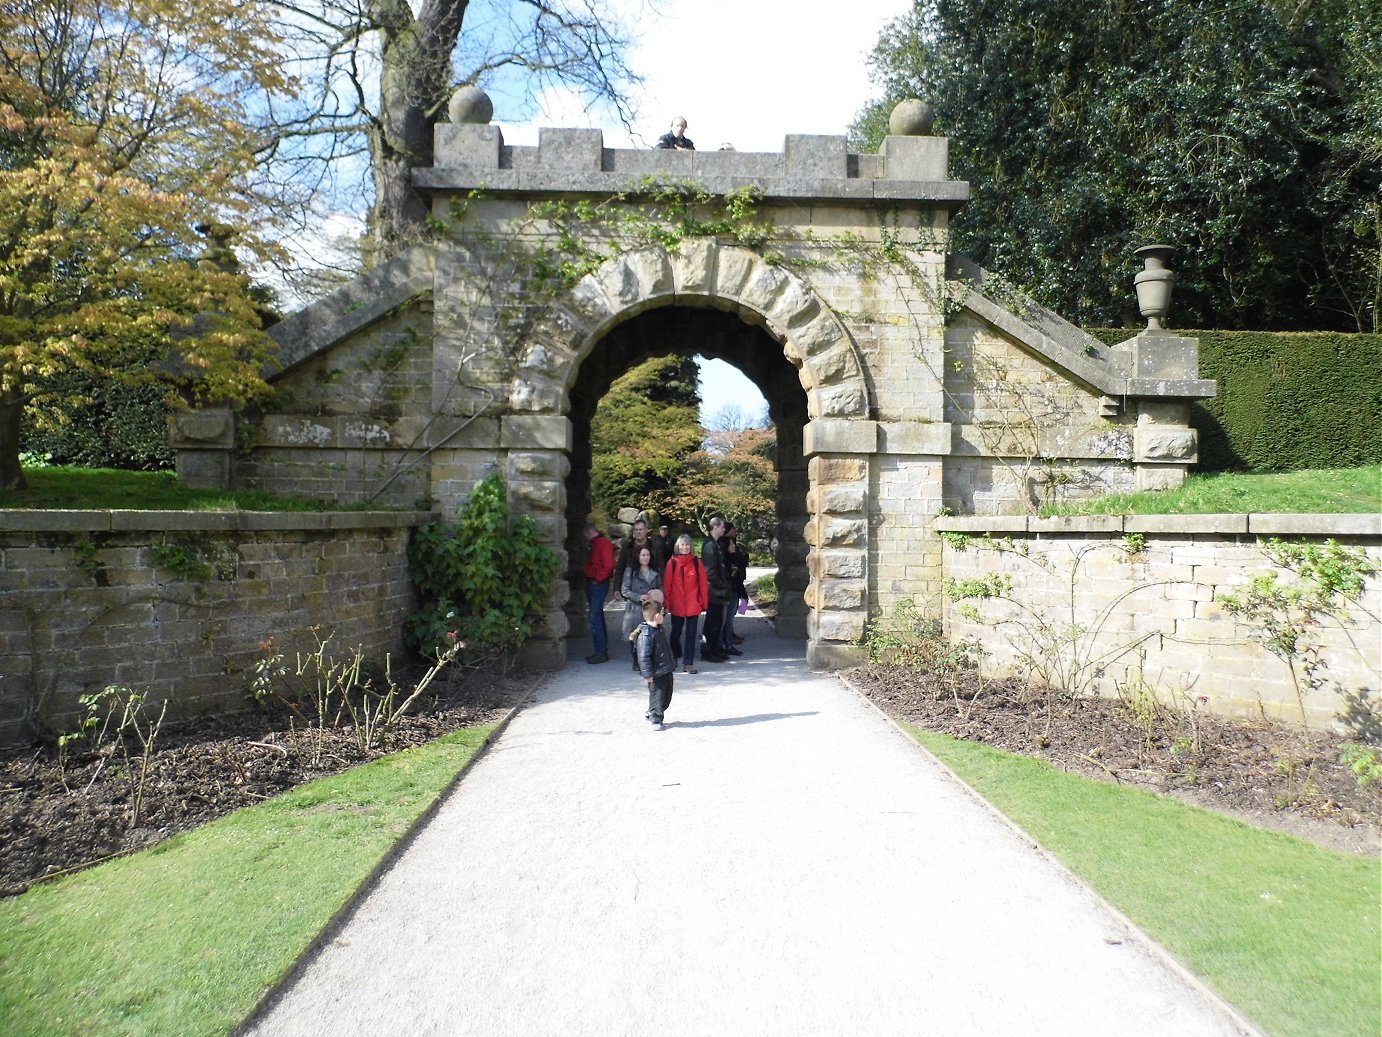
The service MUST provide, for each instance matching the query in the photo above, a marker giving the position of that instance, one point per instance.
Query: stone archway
(913, 375)
(726, 301)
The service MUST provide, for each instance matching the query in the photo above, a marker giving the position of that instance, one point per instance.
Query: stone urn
(1153, 284)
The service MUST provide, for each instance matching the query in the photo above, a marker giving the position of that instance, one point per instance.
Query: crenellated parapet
(809, 168)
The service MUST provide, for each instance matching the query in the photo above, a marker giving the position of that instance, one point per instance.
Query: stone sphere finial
(911, 118)
(470, 104)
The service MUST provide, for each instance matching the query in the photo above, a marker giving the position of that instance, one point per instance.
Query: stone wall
(1140, 600)
(176, 604)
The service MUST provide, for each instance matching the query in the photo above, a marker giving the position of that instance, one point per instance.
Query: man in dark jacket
(677, 139)
(717, 577)
(667, 542)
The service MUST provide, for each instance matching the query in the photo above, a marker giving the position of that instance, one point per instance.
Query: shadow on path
(757, 718)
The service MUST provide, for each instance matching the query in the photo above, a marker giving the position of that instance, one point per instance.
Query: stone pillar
(837, 538)
(1164, 376)
(1164, 444)
(204, 440)
(536, 466)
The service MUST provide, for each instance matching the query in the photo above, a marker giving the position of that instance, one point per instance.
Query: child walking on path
(655, 662)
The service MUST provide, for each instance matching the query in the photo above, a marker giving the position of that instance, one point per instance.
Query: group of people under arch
(665, 570)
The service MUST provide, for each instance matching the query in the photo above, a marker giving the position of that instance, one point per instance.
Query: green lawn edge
(1285, 931)
(186, 937)
(1316, 491)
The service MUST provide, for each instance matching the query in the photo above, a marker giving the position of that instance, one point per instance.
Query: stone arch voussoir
(702, 271)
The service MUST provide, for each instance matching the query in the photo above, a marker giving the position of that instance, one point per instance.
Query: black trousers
(714, 628)
(659, 697)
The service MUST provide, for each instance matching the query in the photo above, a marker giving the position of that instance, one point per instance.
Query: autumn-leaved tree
(124, 164)
(733, 476)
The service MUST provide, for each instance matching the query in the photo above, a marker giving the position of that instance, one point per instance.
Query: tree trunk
(414, 86)
(11, 413)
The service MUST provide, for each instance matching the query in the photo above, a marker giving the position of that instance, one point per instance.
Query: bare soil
(1274, 775)
(64, 810)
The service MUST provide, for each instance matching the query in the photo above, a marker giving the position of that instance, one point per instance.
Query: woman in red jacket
(687, 593)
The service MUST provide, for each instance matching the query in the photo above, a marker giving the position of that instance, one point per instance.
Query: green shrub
(484, 579)
(122, 426)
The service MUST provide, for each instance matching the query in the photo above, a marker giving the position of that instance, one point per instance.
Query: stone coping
(119, 521)
(1319, 525)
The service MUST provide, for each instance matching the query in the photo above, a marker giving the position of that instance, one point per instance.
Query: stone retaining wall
(176, 604)
(1141, 600)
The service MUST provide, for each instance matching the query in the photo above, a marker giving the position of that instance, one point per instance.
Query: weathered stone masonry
(895, 390)
(1153, 615)
(86, 603)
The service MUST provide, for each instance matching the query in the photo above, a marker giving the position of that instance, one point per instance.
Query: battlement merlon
(575, 161)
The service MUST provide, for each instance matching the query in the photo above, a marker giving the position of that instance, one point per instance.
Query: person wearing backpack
(717, 577)
(684, 588)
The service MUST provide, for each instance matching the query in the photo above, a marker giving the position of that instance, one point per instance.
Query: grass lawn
(184, 938)
(1285, 931)
(1327, 490)
(109, 488)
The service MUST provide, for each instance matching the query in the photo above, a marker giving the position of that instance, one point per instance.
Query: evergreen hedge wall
(1286, 400)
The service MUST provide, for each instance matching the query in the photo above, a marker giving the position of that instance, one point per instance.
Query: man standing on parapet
(599, 567)
(677, 138)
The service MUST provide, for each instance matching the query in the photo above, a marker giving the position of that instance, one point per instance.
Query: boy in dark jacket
(655, 661)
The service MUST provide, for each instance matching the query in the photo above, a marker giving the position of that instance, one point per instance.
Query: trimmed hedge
(1286, 400)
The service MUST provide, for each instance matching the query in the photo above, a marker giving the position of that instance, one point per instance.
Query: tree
(1244, 134)
(123, 178)
(642, 435)
(734, 477)
(376, 75)
(723, 428)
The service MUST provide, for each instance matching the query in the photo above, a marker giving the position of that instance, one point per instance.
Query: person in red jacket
(599, 567)
(686, 592)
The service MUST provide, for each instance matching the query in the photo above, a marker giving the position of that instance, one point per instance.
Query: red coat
(684, 586)
(599, 562)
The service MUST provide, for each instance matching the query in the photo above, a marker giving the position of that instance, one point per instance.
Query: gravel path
(779, 860)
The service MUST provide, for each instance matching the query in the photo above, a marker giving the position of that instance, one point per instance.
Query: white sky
(745, 72)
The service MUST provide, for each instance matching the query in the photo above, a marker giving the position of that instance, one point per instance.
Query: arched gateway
(901, 381)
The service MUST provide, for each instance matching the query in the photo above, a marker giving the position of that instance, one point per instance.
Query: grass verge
(62, 486)
(1282, 929)
(763, 590)
(184, 938)
(1322, 491)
